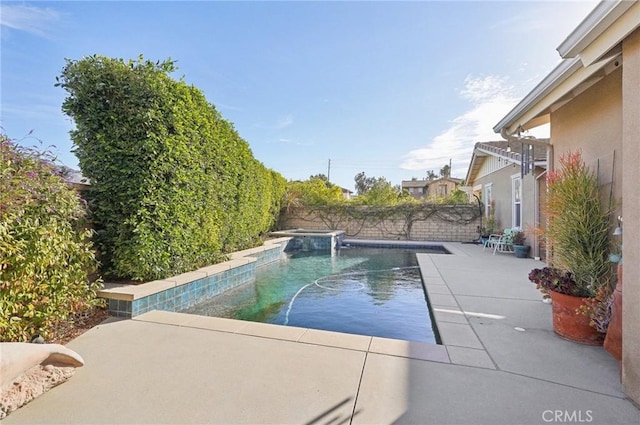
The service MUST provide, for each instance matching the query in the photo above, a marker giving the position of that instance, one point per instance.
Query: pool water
(365, 291)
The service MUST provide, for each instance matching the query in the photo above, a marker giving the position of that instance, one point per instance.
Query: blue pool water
(365, 291)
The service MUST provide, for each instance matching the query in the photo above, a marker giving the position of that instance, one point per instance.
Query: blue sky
(389, 88)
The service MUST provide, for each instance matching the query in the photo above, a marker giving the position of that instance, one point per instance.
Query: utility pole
(329, 171)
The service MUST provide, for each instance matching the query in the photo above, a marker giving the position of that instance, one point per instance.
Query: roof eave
(591, 27)
(559, 74)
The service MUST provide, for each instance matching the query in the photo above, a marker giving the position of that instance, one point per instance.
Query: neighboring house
(442, 187)
(416, 188)
(434, 188)
(506, 177)
(346, 193)
(592, 102)
(75, 179)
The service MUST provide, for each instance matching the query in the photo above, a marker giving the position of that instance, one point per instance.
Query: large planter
(571, 324)
(521, 251)
(613, 340)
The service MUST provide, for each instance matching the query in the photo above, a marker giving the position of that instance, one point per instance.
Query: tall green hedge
(45, 249)
(173, 185)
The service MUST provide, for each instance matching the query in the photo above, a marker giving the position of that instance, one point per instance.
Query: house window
(487, 200)
(442, 190)
(516, 196)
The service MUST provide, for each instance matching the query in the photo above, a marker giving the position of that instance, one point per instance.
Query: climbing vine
(394, 220)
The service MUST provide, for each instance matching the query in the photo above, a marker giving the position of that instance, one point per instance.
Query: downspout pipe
(536, 195)
(530, 140)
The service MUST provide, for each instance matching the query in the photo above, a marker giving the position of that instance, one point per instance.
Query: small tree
(363, 183)
(312, 192)
(445, 171)
(382, 192)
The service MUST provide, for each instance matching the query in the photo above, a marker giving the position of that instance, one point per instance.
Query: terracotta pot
(613, 340)
(569, 323)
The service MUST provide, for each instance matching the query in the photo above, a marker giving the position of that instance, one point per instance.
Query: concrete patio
(500, 363)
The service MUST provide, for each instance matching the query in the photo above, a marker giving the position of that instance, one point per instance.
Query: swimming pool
(361, 290)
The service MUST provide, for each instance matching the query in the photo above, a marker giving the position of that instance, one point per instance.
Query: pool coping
(460, 345)
(451, 321)
(293, 334)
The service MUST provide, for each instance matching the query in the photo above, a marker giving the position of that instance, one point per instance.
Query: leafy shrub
(45, 252)
(312, 192)
(173, 185)
(456, 197)
(379, 191)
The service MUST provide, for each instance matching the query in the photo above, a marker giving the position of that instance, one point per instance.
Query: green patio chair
(505, 242)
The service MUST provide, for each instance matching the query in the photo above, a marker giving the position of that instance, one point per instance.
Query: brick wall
(449, 224)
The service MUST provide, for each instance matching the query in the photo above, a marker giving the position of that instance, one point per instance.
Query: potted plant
(488, 228)
(520, 250)
(577, 235)
(571, 305)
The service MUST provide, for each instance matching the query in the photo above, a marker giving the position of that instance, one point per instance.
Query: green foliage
(364, 183)
(322, 177)
(313, 192)
(456, 197)
(578, 225)
(378, 191)
(45, 250)
(445, 171)
(173, 185)
(384, 193)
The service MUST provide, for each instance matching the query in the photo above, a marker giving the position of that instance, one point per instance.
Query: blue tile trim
(184, 296)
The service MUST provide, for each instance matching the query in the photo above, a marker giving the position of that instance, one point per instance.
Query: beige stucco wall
(592, 121)
(602, 121)
(434, 188)
(502, 195)
(500, 181)
(631, 216)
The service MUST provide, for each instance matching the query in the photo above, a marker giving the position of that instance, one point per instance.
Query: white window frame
(516, 205)
(488, 197)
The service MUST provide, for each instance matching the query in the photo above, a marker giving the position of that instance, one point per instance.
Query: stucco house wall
(592, 101)
(500, 182)
(631, 214)
(592, 122)
(446, 185)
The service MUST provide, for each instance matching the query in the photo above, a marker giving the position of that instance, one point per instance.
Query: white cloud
(491, 98)
(284, 122)
(34, 20)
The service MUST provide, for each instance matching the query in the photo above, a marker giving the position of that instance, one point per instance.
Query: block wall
(431, 228)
